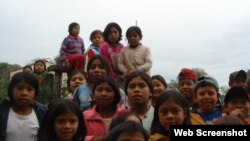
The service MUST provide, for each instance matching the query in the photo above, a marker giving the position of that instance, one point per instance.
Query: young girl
(135, 56)
(45, 81)
(96, 37)
(72, 49)
(159, 86)
(76, 78)
(139, 88)
(21, 111)
(128, 131)
(97, 67)
(171, 109)
(62, 122)
(111, 48)
(97, 120)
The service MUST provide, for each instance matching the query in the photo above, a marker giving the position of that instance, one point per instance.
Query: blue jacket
(39, 109)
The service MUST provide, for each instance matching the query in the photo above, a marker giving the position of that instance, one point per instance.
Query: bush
(3, 89)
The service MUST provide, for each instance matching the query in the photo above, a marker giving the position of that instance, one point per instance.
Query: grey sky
(209, 34)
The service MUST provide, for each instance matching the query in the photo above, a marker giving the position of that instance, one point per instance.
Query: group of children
(122, 60)
(98, 109)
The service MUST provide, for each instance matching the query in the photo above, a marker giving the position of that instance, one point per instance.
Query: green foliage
(3, 89)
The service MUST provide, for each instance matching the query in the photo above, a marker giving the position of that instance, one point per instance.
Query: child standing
(139, 88)
(171, 109)
(159, 86)
(187, 79)
(96, 37)
(135, 56)
(62, 122)
(72, 49)
(111, 48)
(207, 94)
(21, 111)
(97, 67)
(98, 119)
(45, 81)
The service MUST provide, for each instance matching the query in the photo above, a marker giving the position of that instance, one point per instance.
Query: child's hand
(238, 113)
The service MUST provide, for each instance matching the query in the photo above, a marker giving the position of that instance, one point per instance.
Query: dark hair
(39, 61)
(103, 61)
(74, 72)
(161, 79)
(156, 127)
(95, 32)
(204, 81)
(22, 77)
(107, 31)
(122, 118)
(143, 75)
(113, 84)
(58, 107)
(130, 127)
(27, 66)
(135, 29)
(236, 92)
(71, 26)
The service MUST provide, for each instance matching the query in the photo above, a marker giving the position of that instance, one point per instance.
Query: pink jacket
(94, 123)
(111, 55)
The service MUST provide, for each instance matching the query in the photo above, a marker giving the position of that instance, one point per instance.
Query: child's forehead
(238, 98)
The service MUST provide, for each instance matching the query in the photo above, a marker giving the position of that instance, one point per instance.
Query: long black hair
(57, 107)
(156, 127)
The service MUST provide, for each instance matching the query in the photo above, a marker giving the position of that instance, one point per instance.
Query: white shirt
(22, 128)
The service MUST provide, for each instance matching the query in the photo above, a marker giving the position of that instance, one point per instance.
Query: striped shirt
(72, 46)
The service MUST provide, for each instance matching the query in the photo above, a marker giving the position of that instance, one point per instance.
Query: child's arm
(121, 62)
(148, 61)
(63, 49)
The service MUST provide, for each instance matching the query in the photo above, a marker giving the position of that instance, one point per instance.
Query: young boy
(207, 95)
(72, 49)
(237, 103)
(187, 78)
(238, 78)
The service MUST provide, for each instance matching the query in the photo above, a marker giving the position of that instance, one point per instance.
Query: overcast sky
(210, 34)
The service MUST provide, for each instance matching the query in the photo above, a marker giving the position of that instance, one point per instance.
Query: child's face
(75, 81)
(97, 70)
(186, 88)
(39, 67)
(23, 94)
(66, 126)
(97, 40)
(75, 31)
(104, 95)
(171, 113)
(238, 107)
(138, 91)
(158, 88)
(207, 97)
(113, 35)
(133, 39)
(127, 136)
